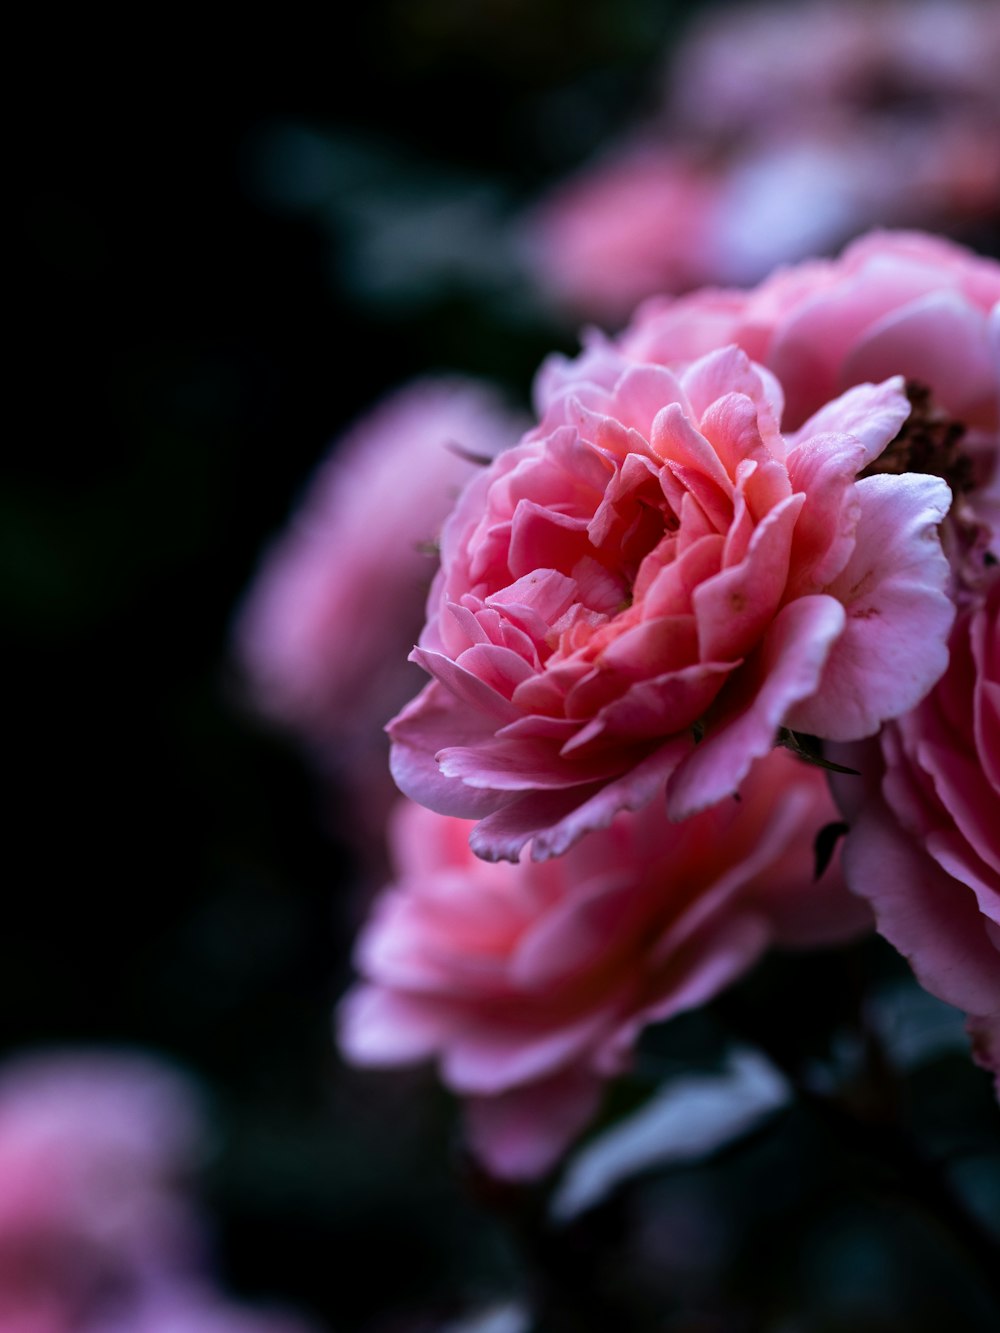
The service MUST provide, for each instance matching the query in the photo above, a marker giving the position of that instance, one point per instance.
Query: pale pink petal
(501, 834)
(939, 340)
(893, 589)
(985, 1036)
(488, 1054)
(467, 685)
(970, 800)
(379, 1027)
(871, 413)
(573, 937)
(630, 792)
(697, 973)
(824, 470)
(521, 1134)
(516, 765)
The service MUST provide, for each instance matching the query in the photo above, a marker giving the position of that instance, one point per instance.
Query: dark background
(188, 338)
(184, 352)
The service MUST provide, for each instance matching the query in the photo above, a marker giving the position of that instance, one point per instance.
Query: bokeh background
(233, 239)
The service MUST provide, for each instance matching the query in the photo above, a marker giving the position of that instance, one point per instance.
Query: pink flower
(892, 304)
(324, 632)
(652, 584)
(93, 1151)
(924, 846)
(531, 983)
(638, 220)
(785, 131)
(751, 71)
(895, 303)
(342, 591)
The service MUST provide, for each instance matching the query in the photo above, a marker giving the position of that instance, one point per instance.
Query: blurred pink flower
(924, 845)
(530, 984)
(785, 131)
(637, 221)
(95, 1149)
(652, 584)
(99, 1228)
(751, 70)
(339, 598)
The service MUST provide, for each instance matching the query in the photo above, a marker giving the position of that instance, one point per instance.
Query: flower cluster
(657, 581)
(531, 983)
(754, 519)
(781, 131)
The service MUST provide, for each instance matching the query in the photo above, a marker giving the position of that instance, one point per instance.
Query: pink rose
(93, 1149)
(654, 583)
(531, 983)
(892, 304)
(754, 70)
(784, 132)
(924, 847)
(324, 632)
(340, 594)
(638, 220)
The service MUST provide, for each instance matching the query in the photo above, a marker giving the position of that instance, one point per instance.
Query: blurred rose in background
(781, 132)
(100, 1227)
(327, 627)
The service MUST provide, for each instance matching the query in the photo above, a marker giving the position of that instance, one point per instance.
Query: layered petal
(653, 567)
(529, 984)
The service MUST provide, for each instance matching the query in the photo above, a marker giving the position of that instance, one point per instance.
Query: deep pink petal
(736, 606)
(786, 669)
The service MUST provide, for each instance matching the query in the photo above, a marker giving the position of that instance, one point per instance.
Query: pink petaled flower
(924, 849)
(755, 70)
(652, 584)
(323, 635)
(637, 221)
(784, 131)
(895, 303)
(531, 983)
(94, 1151)
(342, 591)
